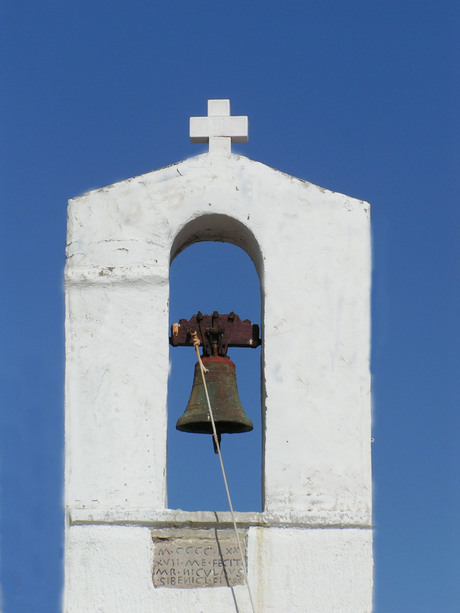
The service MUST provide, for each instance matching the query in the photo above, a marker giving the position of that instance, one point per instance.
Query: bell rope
(196, 344)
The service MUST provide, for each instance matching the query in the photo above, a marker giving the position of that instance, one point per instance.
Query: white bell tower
(310, 549)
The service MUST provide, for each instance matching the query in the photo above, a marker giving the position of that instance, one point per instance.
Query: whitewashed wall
(310, 550)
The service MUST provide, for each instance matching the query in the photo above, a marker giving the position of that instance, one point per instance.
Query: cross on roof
(219, 128)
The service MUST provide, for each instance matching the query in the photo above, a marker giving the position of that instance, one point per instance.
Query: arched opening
(212, 276)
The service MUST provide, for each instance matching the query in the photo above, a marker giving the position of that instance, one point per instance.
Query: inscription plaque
(208, 559)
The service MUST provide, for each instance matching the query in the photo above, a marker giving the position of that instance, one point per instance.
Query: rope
(196, 343)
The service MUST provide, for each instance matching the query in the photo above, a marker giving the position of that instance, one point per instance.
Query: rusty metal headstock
(216, 333)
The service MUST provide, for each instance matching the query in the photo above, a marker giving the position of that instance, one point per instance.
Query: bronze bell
(229, 415)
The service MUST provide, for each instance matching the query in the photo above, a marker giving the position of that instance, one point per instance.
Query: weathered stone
(191, 559)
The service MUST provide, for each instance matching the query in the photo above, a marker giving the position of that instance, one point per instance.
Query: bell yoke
(216, 333)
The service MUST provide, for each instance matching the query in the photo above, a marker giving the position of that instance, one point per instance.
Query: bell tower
(310, 549)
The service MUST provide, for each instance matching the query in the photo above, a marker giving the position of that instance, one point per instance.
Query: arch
(224, 229)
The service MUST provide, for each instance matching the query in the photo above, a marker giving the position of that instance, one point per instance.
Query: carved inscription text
(210, 560)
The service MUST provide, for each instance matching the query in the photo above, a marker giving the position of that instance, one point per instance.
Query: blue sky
(360, 97)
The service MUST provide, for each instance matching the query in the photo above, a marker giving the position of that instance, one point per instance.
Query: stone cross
(219, 128)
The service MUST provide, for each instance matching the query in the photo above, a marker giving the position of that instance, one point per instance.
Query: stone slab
(198, 558)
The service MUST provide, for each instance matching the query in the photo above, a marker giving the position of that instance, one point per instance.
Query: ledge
(103, 275)
(170, 518)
